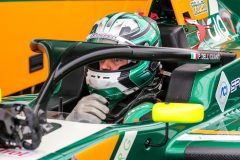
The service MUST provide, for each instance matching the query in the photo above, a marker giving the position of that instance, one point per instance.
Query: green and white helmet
(123, 28)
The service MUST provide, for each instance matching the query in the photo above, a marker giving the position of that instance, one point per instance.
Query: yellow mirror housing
(177, 112)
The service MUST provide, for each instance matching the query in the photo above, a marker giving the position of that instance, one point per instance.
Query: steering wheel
(19, 127)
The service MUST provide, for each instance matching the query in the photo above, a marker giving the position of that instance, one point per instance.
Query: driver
(114, 83)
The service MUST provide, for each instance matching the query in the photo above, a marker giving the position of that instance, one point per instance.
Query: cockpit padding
(172, 36)
(181, 83)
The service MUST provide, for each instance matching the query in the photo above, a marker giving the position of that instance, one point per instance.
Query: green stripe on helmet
(133, 28)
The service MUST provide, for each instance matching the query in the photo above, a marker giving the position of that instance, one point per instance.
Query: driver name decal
(223, 91)
(205, 56)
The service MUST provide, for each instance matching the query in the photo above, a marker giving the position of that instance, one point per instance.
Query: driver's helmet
(129, 29)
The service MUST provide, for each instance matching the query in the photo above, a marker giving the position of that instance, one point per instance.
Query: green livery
(198, 117)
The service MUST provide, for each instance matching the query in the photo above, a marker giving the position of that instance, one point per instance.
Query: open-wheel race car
(197, 118)
(195, 111)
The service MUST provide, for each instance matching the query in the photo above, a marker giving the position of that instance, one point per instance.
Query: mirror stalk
(148, 143)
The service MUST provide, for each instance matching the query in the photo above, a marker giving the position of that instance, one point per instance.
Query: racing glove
(90, 109)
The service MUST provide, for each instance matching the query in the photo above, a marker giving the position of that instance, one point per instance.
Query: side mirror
(177, 112)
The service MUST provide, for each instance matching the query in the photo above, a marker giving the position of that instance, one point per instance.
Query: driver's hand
(90, 109)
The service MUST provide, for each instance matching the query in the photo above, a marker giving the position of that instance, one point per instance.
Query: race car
(198, 119)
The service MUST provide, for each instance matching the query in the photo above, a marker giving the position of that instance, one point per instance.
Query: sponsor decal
(219, 31)
(223, 91)
(198, 7)
(103, 35)
(13, 152)
(125, 145)
(235, 84)
(205, 56)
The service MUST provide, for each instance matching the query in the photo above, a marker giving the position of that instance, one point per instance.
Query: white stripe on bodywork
(69, 133)
(213, 7)
(126, 145)
(16, 102)
(220, 138)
